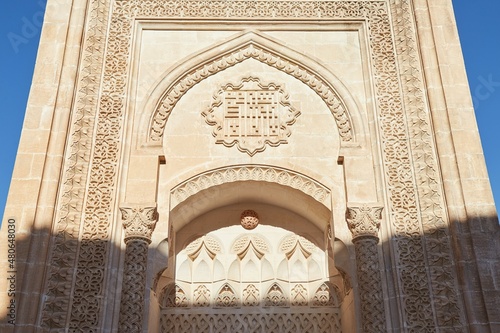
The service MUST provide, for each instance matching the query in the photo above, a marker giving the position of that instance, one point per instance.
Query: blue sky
(20, 23)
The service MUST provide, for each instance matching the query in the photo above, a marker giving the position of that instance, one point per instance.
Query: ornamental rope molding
(364, 223)
(138, 224)
(421, 245)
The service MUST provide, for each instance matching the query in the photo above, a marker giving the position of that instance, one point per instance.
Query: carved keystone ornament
(249, 219)
(139, 222)
(251, 114)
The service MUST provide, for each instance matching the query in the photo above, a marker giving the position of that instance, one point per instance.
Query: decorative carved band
(364, 221)
(139, 222)
(310, 321)
(250, 172)
(414, 257)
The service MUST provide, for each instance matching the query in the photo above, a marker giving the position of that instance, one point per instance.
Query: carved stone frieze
(310, 321)
(364, 221)
(251, 114)
(139, 222)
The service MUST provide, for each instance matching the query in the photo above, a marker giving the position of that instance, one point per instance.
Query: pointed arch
(250, 45)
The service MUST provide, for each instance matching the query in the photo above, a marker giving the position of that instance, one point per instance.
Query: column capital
(364, 220)
(139, 221)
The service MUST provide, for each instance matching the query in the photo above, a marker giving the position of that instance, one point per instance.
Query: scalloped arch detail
(249, 45)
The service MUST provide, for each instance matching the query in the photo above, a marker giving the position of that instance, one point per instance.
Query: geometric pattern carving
(251, 296)
(264, 55)
(68, 231)
(249, 219)
(307, 321)
(251, 114)
(250, 172)
(323, 297)
(134, 285)
(298, 295)
(432, 252)
(370, 285)
(210, 244)
(294, 242)
(201, 296)
(173, 296)
(226, 297)
(83, 221)
(243, 244)
(275, 296)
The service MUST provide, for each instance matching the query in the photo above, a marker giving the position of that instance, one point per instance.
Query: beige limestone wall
(472, 213)
(35, 179)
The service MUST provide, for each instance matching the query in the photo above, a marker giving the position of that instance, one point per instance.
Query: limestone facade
(250, 166)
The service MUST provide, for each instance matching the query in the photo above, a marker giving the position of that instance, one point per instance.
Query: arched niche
(275, 290)
(284, 199)
(248, 45)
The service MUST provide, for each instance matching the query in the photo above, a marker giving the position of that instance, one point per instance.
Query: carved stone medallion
(249, 219)
(251, 114)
